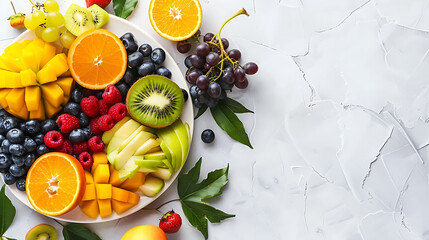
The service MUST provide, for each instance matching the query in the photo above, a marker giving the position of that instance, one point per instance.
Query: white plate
(120, 26)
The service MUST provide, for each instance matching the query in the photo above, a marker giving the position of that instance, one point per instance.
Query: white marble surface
(340, 131)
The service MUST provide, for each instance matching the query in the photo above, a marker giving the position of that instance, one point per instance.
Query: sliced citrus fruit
(175, 20)
(55, 183)
(97, 58)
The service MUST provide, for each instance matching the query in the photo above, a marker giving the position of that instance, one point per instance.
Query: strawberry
(170, 222)
(17, 19)
(101, 3)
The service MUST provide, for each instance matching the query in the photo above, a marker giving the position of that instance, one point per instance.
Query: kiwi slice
(155, 101)
(99, 15)
(42, 232)
(78, 20)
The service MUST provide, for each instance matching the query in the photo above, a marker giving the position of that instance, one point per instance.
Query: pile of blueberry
(21, 144)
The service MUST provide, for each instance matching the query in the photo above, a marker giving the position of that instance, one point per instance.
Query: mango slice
(53, 94)
(90, 208)
(32, 98)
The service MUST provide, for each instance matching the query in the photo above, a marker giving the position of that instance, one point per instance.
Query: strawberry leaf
(235, 106)
(7, 212)
(192, 194)
(75, 231)
(124, 8)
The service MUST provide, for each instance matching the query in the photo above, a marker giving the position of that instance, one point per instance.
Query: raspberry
(103, 107)
(53, 139)
(65, 148)
(118, 111)
(95, 127)
(89, 106)
(86, 160)
(106, 122)
(67, 123)
(112, 95)
(95, 144)
(80, 147)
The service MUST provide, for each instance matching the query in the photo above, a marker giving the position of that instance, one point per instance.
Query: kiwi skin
(42, 232)
(146, 124)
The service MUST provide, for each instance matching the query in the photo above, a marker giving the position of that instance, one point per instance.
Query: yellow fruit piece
(3, 66)
(38, 114)
(90, 208)
(28, 78)
(14, 50)
(89, 178)
(99, 158)
(46, 75)
(133, 198)
(104, 191)
(15, 99)
(49, 51)
(66, 74)
(105, 207)
(114, 178)
(3, 94)
(12, 63)
(89, 193)
(66, 84)
(134, 183)
(32, 98)
(53, 69)
(120, 194)
(102, 173)
(10, 79)
(58, 48)
(51, 110)
(32, 54)
(22, 113)
(120, 207)
(53, 94)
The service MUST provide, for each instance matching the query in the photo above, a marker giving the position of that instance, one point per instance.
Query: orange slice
(175, 20)
(55, 183)
(97, 58)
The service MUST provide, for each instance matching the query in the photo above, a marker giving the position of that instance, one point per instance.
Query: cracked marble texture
(340, 130)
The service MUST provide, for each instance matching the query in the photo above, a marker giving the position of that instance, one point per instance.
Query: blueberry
(222, 95)
(2, 138)
(5, 146)
(15, 135)
(146, 68)
(9, 123)
(9, 179)
(77, 95)
(3, 114)
(22, 126)
(4, 170)
(16, 149)
(42, 149)
(75, 156)
(130, 76)
(130, 45)
(157, 56)
(128, 36)
(19, 161)
(197, 103)
(87, 133)
(135, 59)
(188, 62)
(32, 127)
(39, 138)
(49, 125)
(76, 135)
(212, 102)
(5, 160)
(20, 184)
(72, 108)
(16, 170)
(207, 136)
(123, 89)
(202, 96)
(163, 71)
(145, 49)
(29, 159)
(29, 144)
(83, 119)
(185, 94)
(193, 90)
(99, 94)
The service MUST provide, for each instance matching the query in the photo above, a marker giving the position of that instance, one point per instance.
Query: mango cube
(120, 194)
(90, 208)
(114, 178)
(89, 193)
(104, 191)
(120, 207)
(32, 98)
(89, 178)
(102, 173)
(53, 94)
(99, 158)
(134, 183)
(105, 207)
(15, 99)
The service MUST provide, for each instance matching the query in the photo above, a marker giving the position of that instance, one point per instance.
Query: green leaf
(192, 194)
(10, 238)
(229, 122)
(124, 8)
(75, 231)
(201, 111)
(235, 106)
(7, 212)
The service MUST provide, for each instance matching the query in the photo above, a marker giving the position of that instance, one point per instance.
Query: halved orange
(175, 20)
(55, 183)
(97, 58)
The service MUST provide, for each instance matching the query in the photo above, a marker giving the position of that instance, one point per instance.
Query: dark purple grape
(227, 68)
(216, 50)
(214, 90)
(188, 62)
(251, 68)
(239, 74)
(197, 61)
(228, 77)
(193, 75)
(225, 43)
(208, 37)
(212, 58)
(183, 46)
(193, 90)
(222, 95)
(202, 96)
(207, 66)
(224, 85)
(202, 82)
(203, 49)
(242, 84)
(212, 102)
(234, 54)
